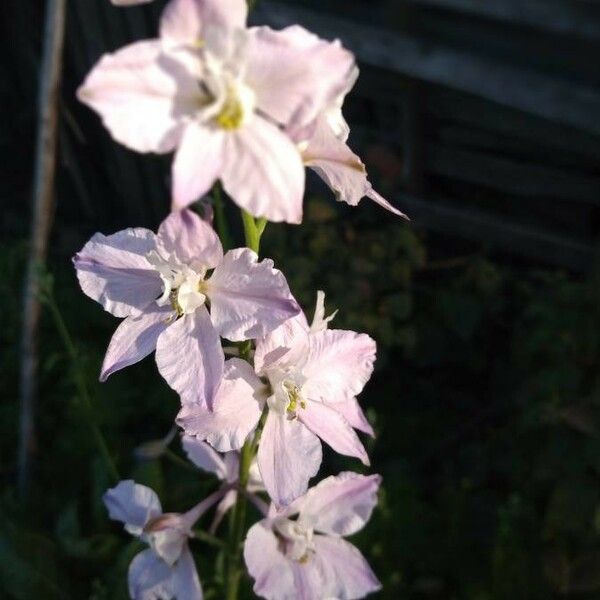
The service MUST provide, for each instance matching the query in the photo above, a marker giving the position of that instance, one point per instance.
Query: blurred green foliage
(486, 401)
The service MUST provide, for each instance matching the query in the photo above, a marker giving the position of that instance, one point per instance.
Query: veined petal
(248, 298)
(333, 429)
(186, 583)
(204, 457)
(296, 75)
(339, 505)
(346, 573)
(191, 239)
(186, 21)
(150, 578)
(190, 358)
(338, 365)
(142, 95)
(353, 413)
(134, 339)
(113, 270)
(198, 163)
(236, 409)
(132, 504)
(289, 454)
(263, 171)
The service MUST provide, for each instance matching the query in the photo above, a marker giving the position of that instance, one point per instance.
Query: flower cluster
(250, 107)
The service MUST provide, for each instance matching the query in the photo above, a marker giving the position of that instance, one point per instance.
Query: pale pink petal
(188, 21)
(353, 413)
(192, 240)
(346, 573)
(203, 456)
(333, 429)
(271, 571)
(132, 504)
(248, 298)
(134, 339)
(198, 163)
(289, 454)
(150, 578)
(379, 199)
(340, 505)
(263, 171)
(142, 96)
(295, 74)
(113, 270)
(235, 410)
(129, 2)
(338, 365)
(186, 584)
(309, 579)
(190, 358)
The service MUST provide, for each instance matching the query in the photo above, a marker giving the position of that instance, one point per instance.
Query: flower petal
(150, 578)
(190, 358)
(129, 2)
(333, 429)
(134, 339)
(289, 454)
(142, 95)
(263, 172)
(338, 365)
(272, 572)
(295, 74)
(346, 573)
(248, 298)
(203, 456)
(187, 21)
(379, 199)
(198, 163)
(132, 504)
(191, 239)
(353, 413)
(236, 409)
(186, 583)
(113, 270)
(340, 505)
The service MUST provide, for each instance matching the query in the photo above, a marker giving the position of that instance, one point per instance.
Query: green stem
(251, 232)
(220, 218)
(207, 538)
(84, 396)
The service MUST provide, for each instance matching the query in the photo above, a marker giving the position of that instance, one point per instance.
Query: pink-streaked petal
(192, 240)
(272, 572)
(190, 358)
(339, 505)
(142, 96)
(134, 339)
(263, 172)
(346, 573)
(150, 578)
(248, 298)
(295, 74)
(379, 199)
(198, 163)
(113, 270)
(309, 580)
(188, 21)
(338, 365)
(132, 504)
(204, 456)
(235, 413)
(289, 454)
(186, 583)
(353, 413)
(333, 429)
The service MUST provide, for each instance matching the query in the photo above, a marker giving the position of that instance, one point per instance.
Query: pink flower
(307, 557)
(221, 95)
(166, 570)
(129, 2)
(313, 376)
(160, 285)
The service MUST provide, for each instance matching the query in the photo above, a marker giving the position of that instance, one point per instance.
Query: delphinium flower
(299, 552)
(222, 96)
(166, 570)
(161, 285)
(308, 377)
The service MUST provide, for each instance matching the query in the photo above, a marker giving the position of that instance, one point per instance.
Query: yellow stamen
(232, 114)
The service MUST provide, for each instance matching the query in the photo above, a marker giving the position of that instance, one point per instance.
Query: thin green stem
(207, 538)
(251, 232)
(85, 400)
(221, 220)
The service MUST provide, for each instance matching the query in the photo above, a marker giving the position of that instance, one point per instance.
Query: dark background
(481, 120)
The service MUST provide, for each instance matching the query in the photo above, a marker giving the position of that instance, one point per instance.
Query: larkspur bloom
(222, 96)
(166, 570)
(226, 468)
(160, 285)
(314, 375)
(306, 556)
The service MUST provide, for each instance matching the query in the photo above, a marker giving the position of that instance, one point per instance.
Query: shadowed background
(482, 122)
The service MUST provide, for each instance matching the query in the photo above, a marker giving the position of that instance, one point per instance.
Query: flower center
(296, 540)
(236, 107)
(287, 395)
(166, 537)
